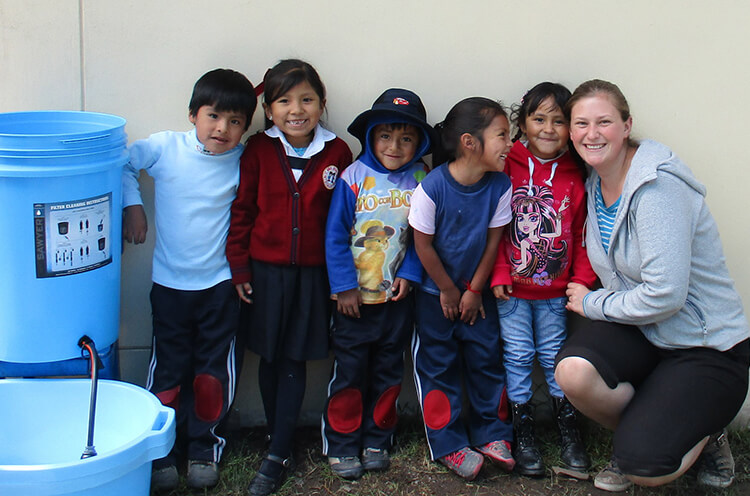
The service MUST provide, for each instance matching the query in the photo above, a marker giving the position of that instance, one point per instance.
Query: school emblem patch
(330, 174)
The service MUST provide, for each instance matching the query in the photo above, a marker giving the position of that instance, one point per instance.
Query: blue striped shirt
(605, 216)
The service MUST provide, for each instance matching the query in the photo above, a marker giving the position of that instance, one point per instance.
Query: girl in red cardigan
(276, 252)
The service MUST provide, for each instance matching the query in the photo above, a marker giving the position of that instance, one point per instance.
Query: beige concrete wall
(682, 64)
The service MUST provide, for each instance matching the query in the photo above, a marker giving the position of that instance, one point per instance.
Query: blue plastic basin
(44, 432)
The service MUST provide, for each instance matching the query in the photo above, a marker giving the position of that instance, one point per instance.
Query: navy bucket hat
(398, 104)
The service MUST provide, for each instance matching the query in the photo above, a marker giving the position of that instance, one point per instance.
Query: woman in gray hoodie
(663, 360)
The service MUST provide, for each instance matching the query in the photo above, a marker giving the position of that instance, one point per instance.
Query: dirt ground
(412, 473)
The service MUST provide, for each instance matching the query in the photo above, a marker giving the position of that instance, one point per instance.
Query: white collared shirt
(320, 137)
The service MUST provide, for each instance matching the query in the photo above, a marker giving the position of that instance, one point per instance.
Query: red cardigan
(276, 219)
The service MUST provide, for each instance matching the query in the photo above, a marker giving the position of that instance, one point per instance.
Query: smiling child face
(394, 145)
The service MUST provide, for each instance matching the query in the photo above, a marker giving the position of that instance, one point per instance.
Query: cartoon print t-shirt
(540, 253)
(380, 233)
(543, 247)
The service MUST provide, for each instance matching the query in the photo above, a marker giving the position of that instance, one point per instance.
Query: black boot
(528, 459)
(572, 450)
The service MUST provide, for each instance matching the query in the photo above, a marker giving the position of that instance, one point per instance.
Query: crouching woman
(663, 359)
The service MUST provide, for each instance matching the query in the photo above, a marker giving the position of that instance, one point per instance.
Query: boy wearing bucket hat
(371, 261)
(194, 303)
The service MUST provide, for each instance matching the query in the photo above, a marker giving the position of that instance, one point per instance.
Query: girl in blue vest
(458, 212)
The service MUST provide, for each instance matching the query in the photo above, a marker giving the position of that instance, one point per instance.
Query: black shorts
(681, 396)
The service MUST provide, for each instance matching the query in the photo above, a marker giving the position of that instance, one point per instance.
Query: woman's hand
(471, 306)
(449, 301)
(576, 293)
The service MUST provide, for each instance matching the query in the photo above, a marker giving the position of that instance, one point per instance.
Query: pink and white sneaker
(465, 462)
(499, 453)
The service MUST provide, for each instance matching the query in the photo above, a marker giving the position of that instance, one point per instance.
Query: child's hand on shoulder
(400, 289)
(348, 302)
(449, 301)
(134, 224)
(470, 307)
(502, 291)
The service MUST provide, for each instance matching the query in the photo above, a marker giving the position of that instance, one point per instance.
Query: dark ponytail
(471, 115)
(439, 155)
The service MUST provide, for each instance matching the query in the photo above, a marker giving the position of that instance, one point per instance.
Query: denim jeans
(531, 328)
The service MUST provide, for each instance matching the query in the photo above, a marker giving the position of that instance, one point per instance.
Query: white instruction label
(73, 236)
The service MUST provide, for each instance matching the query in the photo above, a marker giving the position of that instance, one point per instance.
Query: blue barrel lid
(58, 131)
(41, 141)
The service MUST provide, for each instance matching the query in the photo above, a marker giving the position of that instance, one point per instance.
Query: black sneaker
(202, 474)
(346, 467)
(165, 479)
(375, 459)
(716, 464)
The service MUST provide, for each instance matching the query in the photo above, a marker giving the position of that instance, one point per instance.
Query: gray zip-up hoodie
(665, 271)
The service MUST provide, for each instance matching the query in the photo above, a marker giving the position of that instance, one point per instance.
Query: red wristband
(468, 288)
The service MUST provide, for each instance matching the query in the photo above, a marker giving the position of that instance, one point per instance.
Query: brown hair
(594, 87)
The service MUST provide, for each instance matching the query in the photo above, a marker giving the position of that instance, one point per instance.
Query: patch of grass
(413, 474)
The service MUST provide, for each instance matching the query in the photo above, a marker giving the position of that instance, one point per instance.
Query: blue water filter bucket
(60, 184)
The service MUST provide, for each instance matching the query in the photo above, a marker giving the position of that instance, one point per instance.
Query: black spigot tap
(87, 345)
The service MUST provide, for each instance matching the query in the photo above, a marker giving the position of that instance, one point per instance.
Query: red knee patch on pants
(503, 410)
(384, 414)
(209, 397)
(437, 410)
(170, 397)
(345, 411)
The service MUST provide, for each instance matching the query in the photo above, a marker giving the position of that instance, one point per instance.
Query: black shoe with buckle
(272, 473)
